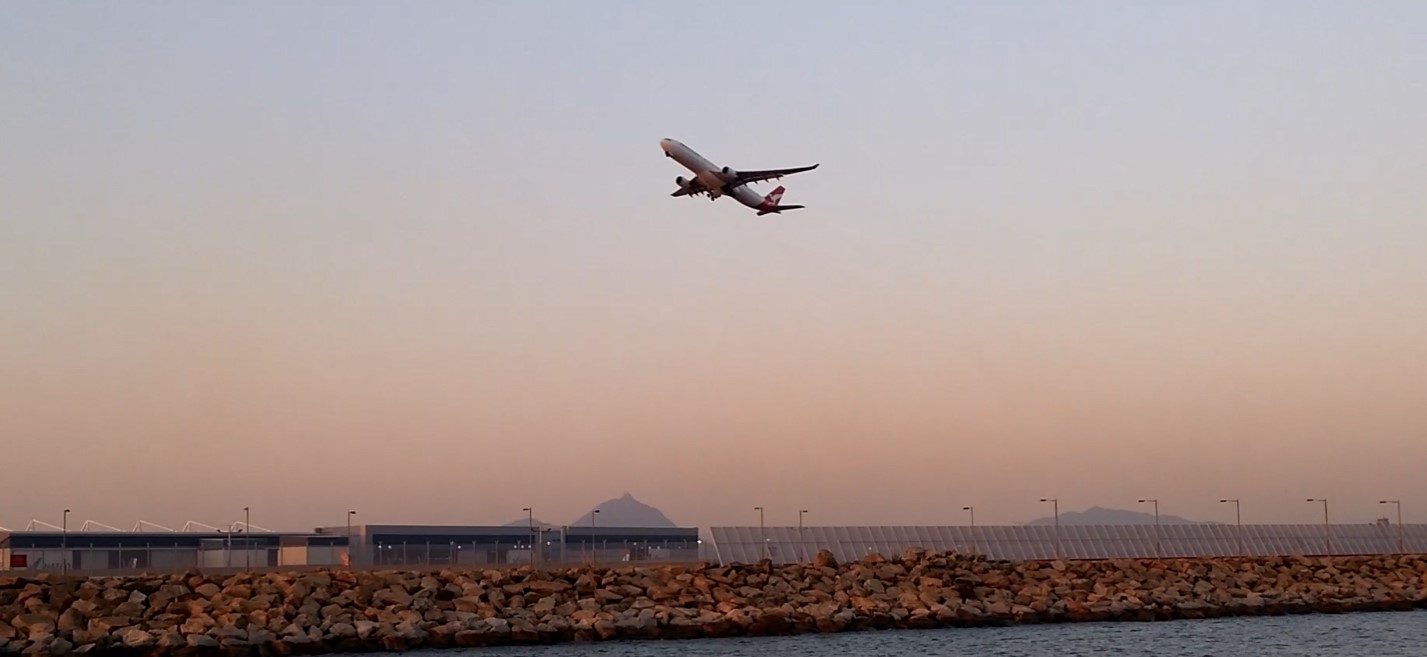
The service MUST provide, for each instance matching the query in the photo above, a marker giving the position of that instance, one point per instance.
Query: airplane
(719, 181)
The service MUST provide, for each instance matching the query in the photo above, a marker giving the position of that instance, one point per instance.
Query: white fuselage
(708, 173)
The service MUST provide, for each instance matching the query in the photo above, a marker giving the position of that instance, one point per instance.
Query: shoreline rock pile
(326, 611)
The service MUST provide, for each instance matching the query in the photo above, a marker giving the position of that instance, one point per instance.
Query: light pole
(1157, 552)
(763, 540)
(973, 526)
(349, 537)
(1238, 523)
(594, 513)
(1055, 504)
(248, 534)
(530, 514)
(1399, 521)
(802, 547)
(64, 542)
(1327, 531)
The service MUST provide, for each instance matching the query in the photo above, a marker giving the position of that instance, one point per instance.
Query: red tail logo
(773, 197)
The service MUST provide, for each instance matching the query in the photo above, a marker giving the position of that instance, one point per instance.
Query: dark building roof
(493, 535)
(46, 540)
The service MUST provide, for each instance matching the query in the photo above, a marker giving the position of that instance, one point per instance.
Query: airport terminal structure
(110, 550)
(379, 546)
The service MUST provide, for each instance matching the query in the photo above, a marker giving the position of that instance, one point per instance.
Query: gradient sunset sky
(420, 260)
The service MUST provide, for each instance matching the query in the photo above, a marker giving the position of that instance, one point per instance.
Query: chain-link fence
(496, 553)
(727, 545)
(126, 559)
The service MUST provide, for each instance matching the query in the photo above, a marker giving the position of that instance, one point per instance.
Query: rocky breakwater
(194, 614)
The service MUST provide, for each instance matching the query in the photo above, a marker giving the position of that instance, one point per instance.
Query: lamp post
(1055, 504)
(247, 534)
(594, 513)
(973, 526)
(1157, 552)
(1238, 523)
(1327, 531)
(762, 540)
(1399, 521)
(802, 547)
(530, 514)
(349, 538)
(64, 542)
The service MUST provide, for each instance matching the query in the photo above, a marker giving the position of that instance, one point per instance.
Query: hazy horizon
(420, 260)
(773, 518)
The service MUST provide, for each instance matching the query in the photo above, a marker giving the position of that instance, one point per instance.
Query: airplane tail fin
(770, 203)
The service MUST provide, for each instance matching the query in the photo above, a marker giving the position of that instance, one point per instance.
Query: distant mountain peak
(623, 511)
(525, 522)
(1098, 515)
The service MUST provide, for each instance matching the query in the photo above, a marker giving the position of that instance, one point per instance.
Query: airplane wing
(745, 177)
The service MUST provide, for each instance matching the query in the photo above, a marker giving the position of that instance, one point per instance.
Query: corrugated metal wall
(789, 544)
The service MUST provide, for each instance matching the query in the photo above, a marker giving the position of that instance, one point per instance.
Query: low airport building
(106, 551)
(458, 545)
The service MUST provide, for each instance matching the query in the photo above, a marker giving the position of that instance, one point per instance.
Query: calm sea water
(1383, 634)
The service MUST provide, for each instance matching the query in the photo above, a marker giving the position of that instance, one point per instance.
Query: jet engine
(729, 173)
(683, 184)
